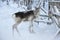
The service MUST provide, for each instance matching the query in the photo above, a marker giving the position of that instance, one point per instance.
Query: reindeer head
(37, 9)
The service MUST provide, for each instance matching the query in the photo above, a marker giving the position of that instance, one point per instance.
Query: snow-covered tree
(7, 2)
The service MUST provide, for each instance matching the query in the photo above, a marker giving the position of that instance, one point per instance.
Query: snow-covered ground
(43, 31)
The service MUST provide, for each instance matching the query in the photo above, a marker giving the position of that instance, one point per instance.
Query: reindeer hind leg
(15, 27)
(18, 21)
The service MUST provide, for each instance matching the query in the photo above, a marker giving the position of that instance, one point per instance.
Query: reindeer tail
(13, 16)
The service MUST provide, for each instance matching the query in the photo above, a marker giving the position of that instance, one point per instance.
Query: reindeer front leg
(31, 27)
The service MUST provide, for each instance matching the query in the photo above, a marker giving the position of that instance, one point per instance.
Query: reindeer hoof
(32, 31)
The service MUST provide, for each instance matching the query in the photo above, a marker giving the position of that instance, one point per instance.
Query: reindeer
(25, 16)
